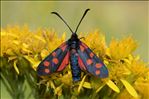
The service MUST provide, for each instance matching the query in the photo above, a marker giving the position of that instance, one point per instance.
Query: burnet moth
(80, 56)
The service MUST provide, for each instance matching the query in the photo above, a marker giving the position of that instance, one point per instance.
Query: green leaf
(100, 88)
(58, 90)
(87, 85)
(15, 66)
(52, 85)
(12, 58)
(112, 86)
(129, 88)
(32, 61)
(81, 84)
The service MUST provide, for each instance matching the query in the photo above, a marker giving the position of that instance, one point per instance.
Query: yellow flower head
(121, 49)
(118, 70)
(138, 68)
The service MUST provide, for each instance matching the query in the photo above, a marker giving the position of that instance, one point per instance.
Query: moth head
(74, 36)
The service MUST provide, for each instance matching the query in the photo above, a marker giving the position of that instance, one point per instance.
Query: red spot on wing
(85, 46)
(97, 72)
(47, 71)
(82, 48)
(81, 64)
(54, 54)
(98, 65)
(46, 63)
(89, 61)
(63, 47)
(64, 62)
(91, 54)
(55, 60)
(62, 44)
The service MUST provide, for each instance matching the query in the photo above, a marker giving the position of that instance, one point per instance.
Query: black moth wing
(89, 62)
(56, 61)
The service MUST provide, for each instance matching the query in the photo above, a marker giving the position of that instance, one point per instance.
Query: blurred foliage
(22, 50)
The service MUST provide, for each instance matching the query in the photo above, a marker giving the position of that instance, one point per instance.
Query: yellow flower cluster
(121, 49)
(22, 39)
(125, 69)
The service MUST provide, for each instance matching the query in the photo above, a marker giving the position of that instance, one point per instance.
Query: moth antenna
(81, 19)
(62, 20)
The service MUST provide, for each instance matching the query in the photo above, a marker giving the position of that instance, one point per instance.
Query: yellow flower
(138, 68)
(121, 49)
(7, 43)
(118, 70)
(142, 86)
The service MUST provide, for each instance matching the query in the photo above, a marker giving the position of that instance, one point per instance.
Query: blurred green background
(115, 18)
